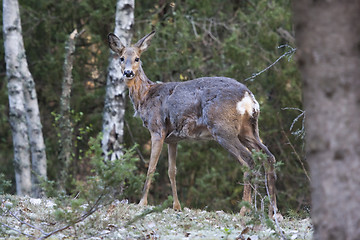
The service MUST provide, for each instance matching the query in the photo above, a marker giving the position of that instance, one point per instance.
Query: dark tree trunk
(328, 39)
(66, 132)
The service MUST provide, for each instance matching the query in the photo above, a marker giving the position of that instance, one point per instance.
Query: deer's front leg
(157, 142)
(172, 174)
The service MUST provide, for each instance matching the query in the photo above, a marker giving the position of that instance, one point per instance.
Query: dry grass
(35, 217)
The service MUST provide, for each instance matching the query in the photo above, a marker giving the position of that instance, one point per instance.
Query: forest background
(194, 39)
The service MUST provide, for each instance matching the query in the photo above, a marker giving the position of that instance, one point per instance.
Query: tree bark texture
(37, 145)
(114, 109)
(66, 131)
(328, 40)
(24, 109)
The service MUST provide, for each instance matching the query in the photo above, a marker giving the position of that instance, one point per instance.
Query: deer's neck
(138, 89)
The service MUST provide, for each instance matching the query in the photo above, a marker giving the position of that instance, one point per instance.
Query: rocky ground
(25, 218)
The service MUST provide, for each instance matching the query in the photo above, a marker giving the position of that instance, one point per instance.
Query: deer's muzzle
(129, 74)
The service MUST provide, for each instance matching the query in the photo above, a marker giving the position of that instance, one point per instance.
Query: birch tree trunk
(114, 109)
(37, 145)
(24, 109)
(328, 37)
(17, 118)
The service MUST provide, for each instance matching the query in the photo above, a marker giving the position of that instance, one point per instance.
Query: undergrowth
(110, 181)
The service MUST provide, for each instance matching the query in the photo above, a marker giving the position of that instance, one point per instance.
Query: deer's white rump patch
(247, 104)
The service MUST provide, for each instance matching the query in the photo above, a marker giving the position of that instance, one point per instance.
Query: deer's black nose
(128, 73)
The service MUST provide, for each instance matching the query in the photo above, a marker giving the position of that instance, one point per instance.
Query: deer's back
(189, 110)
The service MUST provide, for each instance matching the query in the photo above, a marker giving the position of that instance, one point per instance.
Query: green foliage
(296, 214)
(157, 209)
(112, 223)
(209, 180)
(227, 232)
(50, 188)
(4, 184)
(116, 177)
(257, 216)
(110, 180)
(78, 135)
(233, 39)
(193, 39)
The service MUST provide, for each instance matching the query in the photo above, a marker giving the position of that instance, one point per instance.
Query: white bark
(24, 109)
(12, 32)
(37, 145)
(114, 109)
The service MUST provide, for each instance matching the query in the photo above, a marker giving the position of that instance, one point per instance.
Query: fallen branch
(27, 224)
(96, 206)
(18, 231)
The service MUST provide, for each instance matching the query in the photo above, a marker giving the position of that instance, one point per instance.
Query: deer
(207, 108)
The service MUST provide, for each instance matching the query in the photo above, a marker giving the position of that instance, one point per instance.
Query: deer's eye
(137, 59)
(122, 59)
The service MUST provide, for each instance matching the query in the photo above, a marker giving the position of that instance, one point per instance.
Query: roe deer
(217, 108)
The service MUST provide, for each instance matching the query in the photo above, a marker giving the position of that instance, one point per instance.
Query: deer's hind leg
(252, 141)
(232, 143)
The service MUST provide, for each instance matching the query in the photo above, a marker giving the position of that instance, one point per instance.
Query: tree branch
(288, 53)
(27, 224)
(18, 231)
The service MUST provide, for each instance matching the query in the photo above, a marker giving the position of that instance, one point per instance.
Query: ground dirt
(24, 217)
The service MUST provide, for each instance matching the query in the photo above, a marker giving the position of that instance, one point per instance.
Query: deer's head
(129, 56)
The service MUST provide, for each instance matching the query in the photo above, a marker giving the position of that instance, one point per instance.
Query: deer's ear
(115, 43)
(144, 43)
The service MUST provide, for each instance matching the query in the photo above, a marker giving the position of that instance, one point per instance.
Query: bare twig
(193, 26)
(96, 206)
(205, 27)
(289, 142)
(275, 210)
(300, 132)
(93, 209)
(262, 199)
(27, 224)
(16, 230)
(289, 53)
(215, 22)
(296, 154)
(80, 33)
(82, 218)
(286, 35)
(132, 139)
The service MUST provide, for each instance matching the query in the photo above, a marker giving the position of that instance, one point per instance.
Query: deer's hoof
(177, 206)
(143, 202)
(243, 211)
(278, 217)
